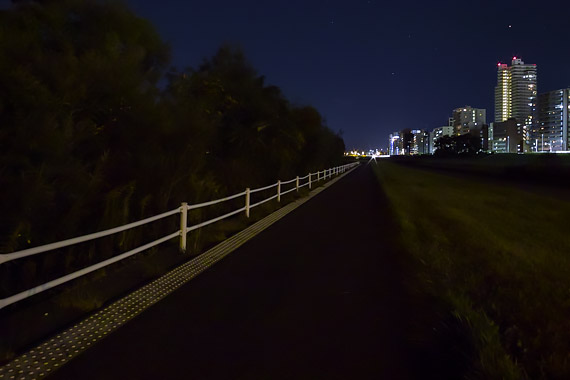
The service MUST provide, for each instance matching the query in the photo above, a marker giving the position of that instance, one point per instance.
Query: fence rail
(181, 233)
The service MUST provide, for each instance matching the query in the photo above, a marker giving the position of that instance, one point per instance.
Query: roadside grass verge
(499, 257)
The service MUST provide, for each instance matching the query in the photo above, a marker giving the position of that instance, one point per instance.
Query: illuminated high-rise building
(420, 142)
(515, 95)
(395, 144)
(505, 137)
(553, 121)
(468, 119)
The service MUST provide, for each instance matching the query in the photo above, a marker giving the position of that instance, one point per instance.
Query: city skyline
(365, 64)
(525, 121)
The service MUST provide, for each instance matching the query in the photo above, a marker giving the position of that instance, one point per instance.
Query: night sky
(373, 67)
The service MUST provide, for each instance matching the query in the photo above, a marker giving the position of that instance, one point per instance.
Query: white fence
(182, 233)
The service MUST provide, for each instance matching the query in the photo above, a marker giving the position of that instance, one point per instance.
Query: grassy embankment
(548, 169)
(499, 257)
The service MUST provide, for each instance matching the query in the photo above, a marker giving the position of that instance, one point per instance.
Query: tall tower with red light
(516, 94)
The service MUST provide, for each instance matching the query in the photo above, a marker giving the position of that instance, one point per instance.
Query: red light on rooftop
(514, 57)
(499, 64)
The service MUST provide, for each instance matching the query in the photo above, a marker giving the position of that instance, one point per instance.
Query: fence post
(279, 191)
(183, 226)
(309, 180)
(318, 175)
(297, 183)
(247, 202)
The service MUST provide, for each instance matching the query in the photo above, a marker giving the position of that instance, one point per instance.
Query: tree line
(96, 130)
(451, 146)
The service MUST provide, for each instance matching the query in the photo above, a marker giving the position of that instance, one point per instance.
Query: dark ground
(323, 293)
(541, 170)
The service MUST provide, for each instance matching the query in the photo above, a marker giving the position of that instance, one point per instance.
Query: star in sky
(376, 39)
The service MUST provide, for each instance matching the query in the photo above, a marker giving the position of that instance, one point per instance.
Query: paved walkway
(317, 295)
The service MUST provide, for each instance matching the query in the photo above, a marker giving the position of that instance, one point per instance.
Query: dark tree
(89, 141)
(457, 145)
(77, 89)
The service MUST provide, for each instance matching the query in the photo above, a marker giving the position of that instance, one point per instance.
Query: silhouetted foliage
(77, 94)
(251, 133)
(466, 144)
(89, 141)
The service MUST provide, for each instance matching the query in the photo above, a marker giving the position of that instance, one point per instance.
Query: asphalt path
(319, 294)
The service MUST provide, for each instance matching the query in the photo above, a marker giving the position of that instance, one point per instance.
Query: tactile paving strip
(44, 359)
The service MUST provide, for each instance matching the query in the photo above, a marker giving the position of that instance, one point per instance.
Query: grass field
(499, 257)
